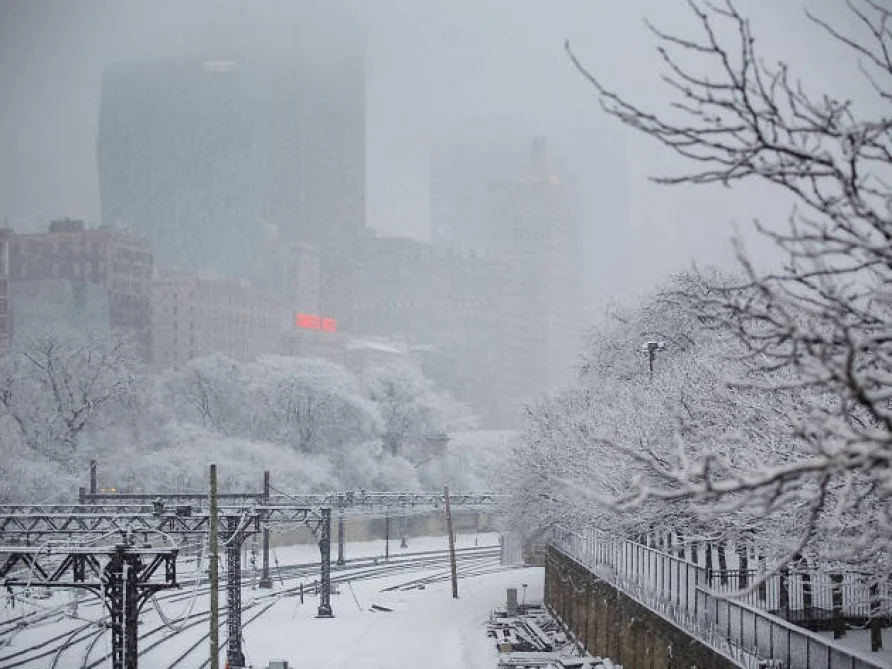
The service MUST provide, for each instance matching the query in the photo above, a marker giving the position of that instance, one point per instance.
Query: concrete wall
(609, 623)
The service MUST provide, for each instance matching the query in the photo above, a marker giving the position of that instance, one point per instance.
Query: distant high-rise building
(532, 226)
(466, 155)
(464, 315)
(207, 156)
(497, 309)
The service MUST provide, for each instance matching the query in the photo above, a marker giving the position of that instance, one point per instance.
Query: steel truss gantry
(134, 523)
(147, 523)
(354, 501)
(345, 502)
(123, 576)
(146, 516)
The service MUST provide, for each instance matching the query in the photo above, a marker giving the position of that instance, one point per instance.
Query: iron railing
(812, 593)
(682, 592)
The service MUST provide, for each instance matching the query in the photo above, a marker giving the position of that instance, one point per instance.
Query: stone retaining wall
(611, 624)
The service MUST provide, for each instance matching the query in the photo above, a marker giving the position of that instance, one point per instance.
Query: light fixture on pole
(651, 348)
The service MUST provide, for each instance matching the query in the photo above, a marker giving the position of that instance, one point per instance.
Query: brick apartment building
(94, 281)
(195, 316)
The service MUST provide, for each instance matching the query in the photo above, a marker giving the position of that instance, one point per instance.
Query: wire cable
(177, 624)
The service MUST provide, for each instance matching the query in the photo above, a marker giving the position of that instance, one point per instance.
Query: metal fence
(813, 592)
(681, 591)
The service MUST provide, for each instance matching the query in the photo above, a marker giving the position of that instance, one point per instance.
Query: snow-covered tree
(312, 405)
(54, 390)
(593, 450)
(211, 392)
(818, 326)
(410, 406)
(472, 460)
(65, 402)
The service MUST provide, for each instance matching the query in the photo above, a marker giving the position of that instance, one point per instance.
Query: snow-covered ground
(859, 640)
(425, 624)
(427, 628)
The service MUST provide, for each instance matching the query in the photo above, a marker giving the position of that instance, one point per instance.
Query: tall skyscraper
(466, 155)
(210, 158)
(179, 161)
(532, 226)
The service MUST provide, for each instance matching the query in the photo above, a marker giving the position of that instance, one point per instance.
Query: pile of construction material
(528, 637)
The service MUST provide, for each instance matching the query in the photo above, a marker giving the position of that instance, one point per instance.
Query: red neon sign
(314, 322)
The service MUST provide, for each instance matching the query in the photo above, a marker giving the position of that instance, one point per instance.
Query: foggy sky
(428, 60)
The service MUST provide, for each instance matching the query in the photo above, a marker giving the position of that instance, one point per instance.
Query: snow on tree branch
(812, 338)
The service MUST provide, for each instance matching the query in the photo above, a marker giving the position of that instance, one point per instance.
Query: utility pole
(403, 530)
(341, 560)
(265, 580)
(324, 610)
(214, 575)
(451, 543)
(387, 537)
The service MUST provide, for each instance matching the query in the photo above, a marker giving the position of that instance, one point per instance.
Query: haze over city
(586, 301)
(426, 61)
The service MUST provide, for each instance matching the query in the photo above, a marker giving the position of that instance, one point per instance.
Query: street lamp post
(651, 349)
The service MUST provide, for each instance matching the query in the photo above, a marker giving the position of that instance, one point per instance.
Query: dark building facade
(224, 162)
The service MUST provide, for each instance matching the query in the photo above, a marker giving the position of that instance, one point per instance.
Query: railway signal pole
(387, 537)
(214, 574)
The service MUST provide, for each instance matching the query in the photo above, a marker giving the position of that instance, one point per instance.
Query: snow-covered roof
(377, 346)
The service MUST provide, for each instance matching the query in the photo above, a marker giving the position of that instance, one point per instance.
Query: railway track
(81, 641)
(470, 566)
(87, 603)
(469, 563)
